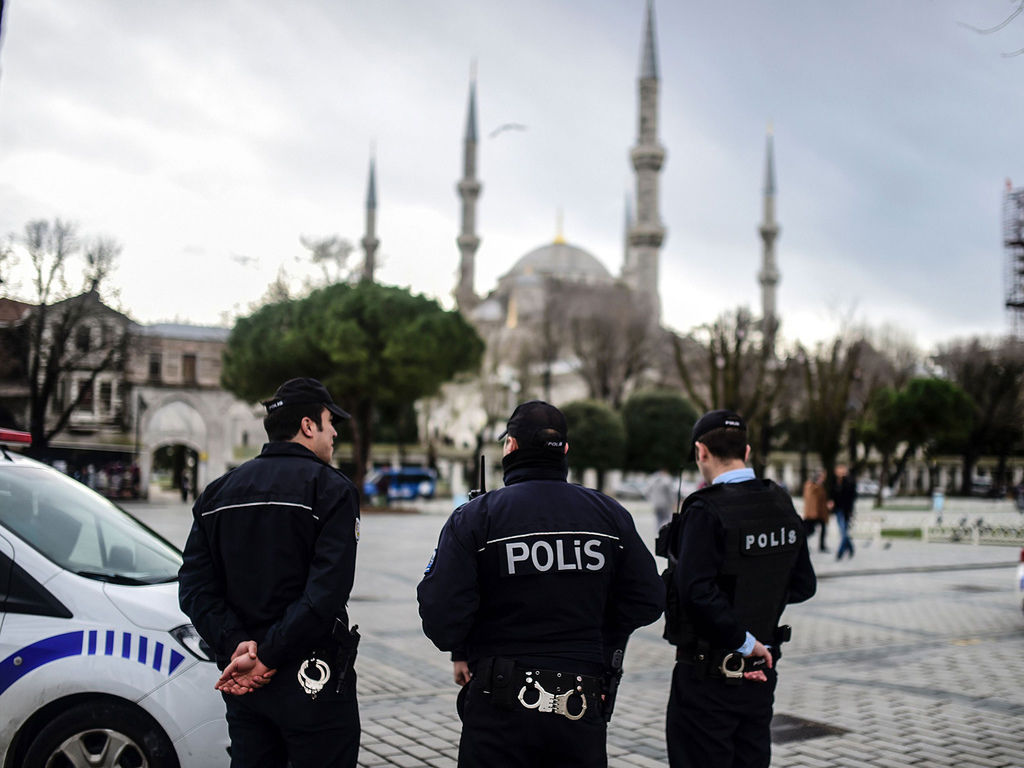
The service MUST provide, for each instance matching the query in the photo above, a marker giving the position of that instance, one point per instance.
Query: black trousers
(714, 725)
(516, 737)
(822, 525)
(281, 725)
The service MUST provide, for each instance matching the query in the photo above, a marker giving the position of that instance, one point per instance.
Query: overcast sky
(207, 137)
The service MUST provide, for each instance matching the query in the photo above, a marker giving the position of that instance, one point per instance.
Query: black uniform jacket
(702, 551)
(539, 570)
(271, 555)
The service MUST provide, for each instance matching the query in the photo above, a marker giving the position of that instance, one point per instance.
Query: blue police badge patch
(430, 565)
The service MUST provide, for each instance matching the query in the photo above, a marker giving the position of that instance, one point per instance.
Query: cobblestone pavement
(913, 654)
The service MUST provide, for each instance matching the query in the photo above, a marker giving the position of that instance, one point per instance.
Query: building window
(106, 396)
(188, 369)
(83, 338)
(85, 392)
(155, 365)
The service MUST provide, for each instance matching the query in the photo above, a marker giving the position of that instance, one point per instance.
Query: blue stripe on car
(31, 657)
(81, 643)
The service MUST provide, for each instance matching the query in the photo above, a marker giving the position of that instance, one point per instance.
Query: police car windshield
(80, 530)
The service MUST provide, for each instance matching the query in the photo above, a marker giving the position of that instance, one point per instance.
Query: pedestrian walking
(816, 508)
(662, 491)
(267, 572)
(534, 589)
(844, 496)
(737, 556)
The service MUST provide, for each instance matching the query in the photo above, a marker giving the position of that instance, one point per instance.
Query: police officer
(267, 571)
(535, 588)
(738, 555)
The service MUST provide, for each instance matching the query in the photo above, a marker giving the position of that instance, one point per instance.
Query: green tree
(374, 347)
(597, 438)
(923, 415)
(658, 425)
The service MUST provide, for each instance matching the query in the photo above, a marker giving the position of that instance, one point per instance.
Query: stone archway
(221, 429)
(173, 421)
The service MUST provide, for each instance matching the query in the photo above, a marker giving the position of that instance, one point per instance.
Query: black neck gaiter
(534, 464)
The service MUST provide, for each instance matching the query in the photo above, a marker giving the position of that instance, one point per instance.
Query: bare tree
(992, 375)
(725, 365)
(610, 334)
(1017, 11)
(331, 254)
(7, 261)
(67, 331)
(830, 371)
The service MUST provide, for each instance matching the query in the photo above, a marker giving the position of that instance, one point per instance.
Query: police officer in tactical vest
(535, 588)
(737, 556)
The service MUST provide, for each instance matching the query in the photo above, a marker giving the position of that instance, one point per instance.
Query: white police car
(98, 666)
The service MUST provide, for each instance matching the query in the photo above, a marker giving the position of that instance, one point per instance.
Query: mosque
(560, 286)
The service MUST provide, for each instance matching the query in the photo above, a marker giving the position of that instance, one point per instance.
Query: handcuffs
(551, 702)
(311, 684)
(728, 666)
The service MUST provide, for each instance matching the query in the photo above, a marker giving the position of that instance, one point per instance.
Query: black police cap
(537, 424)
(297, 391)
(720, 419)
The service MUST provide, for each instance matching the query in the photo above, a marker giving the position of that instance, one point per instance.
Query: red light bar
(14, 436)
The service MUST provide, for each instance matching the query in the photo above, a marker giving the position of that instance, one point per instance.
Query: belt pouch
(701, 660)
(501, 682)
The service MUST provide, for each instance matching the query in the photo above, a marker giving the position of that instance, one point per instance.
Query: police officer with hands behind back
(738, 555)
(267, 572)
(535, 589)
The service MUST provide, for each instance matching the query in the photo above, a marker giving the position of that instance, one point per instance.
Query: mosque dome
(563, 261)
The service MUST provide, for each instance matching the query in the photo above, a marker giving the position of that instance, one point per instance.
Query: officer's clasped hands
(760, 655)
(245, 673)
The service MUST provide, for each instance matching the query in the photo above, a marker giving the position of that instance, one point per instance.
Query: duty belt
(728, 664)
(565, 687)
(544, 690)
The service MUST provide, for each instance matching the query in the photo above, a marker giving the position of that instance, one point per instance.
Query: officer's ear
(746, 456)
(700, 452)
(566, 449)
(307, 427)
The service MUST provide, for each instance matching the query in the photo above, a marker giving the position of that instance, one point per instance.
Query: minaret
(469, 190)
(627, 229)
(647, 233)
(370, 241)
(769, 275)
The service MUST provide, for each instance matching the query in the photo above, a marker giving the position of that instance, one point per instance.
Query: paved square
(915, 650)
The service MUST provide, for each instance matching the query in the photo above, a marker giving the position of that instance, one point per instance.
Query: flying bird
(245, 261)
(507, 127)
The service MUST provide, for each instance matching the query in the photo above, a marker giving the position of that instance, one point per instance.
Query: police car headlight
(188, 637)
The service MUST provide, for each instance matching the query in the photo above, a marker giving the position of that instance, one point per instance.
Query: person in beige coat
(816, 508)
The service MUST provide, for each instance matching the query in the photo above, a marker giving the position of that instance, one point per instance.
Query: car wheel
(101, 734)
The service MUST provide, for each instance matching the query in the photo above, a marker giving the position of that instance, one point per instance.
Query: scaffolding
(1013, 242)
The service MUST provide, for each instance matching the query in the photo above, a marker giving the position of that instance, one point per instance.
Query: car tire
(101, 733)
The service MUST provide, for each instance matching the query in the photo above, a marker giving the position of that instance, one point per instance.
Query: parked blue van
(402, 483)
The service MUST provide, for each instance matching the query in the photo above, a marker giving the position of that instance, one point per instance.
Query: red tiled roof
(11, 310)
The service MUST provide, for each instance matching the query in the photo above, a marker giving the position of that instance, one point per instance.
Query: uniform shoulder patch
(357, 528)
(430, 565)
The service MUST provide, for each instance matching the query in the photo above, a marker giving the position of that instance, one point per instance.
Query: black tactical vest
(763, 536)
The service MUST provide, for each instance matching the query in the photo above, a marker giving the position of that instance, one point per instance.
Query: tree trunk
(883, 479)
(967, 474)
(362, 416)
